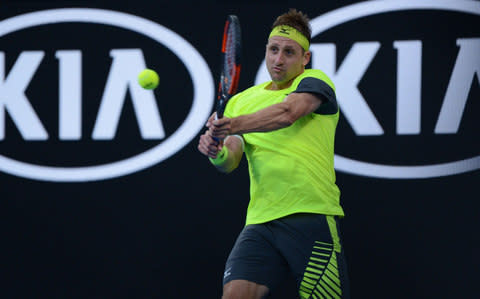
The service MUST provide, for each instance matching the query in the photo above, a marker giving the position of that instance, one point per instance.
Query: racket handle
(220, 107)
(215, 138)
(219, 114)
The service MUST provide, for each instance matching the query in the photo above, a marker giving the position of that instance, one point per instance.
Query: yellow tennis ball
(148, 79)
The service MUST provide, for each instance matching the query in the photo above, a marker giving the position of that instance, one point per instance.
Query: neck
(278, 85)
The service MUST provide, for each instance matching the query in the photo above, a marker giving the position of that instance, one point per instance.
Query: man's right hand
(209, 146)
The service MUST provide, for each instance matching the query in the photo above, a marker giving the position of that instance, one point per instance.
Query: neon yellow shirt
(291, 169)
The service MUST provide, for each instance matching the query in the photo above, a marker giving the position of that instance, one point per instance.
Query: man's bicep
(304, 103)
(323, 91)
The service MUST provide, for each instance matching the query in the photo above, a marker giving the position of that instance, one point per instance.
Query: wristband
(221, 157)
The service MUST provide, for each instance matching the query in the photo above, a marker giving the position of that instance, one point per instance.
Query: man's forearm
(272, 118)
(277, 116)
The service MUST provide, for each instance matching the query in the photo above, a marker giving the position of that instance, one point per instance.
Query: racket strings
(230, 53)
(229, 76)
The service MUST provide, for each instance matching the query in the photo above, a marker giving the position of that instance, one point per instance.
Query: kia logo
(403, 96)
(126, 63)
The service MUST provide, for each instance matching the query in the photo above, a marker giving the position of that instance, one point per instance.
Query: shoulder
(241, 102)
(250, 90)
(316, 74)
(318, 83)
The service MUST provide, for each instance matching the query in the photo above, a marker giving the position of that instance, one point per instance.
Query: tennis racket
(230, 63)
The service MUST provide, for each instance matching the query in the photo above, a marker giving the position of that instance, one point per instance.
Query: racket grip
(220, 107)
(215, 138)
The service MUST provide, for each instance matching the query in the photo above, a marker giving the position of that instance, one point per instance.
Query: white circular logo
(355, 11)
(198, 69)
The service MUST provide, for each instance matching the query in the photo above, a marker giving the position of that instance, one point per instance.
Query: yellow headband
(291, 33)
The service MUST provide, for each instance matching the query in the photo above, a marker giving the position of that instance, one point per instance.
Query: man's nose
(279, 59)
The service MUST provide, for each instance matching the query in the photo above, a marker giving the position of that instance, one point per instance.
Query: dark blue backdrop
(165, 230)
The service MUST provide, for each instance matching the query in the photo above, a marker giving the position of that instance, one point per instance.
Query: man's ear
(306, 58)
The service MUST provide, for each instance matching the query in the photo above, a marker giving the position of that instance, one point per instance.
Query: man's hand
(209, 146)
(219, 128)
(208, 143)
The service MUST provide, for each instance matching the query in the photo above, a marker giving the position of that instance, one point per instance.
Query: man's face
(285, 60)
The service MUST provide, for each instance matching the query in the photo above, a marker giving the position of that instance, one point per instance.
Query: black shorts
(305, 245)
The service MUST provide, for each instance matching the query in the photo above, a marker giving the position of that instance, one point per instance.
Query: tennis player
(286, 127)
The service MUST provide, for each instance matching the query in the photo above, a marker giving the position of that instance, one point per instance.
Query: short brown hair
(297, 20)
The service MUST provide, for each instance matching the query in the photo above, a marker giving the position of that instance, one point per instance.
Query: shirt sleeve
(321, 89)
